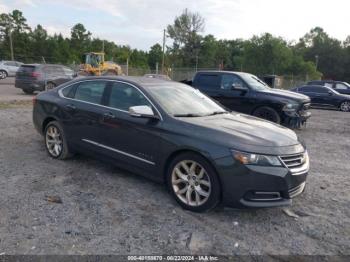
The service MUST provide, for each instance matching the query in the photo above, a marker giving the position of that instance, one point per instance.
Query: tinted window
(26, 69)
(208, 81)
(228, 80)
(69, 91)
(90, 91)
(317, 89)
(124, 96)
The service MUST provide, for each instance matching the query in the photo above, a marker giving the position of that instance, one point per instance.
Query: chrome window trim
(117, 151)
(107, 80)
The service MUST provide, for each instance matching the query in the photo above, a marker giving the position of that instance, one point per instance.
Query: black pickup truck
(246, 93)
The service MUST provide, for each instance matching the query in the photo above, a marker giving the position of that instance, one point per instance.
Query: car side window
(328, 85)
(228, 80)
(208, 81)
(69, 91)
(340, 86)
(321, 90)
(90, 91)
(304, 89)
(9, 63)
(124, 96)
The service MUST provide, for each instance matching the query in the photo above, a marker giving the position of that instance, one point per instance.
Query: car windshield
(254, 82)
(347, 84)
(184, 101)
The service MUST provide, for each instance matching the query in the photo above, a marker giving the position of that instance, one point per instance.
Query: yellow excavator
(95, 65)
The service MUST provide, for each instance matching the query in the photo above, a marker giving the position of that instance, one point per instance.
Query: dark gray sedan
(172, 133)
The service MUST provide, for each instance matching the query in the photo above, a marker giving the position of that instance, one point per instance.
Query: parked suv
(9, 68)
(341, 87)
(39, 77)
(248, 94)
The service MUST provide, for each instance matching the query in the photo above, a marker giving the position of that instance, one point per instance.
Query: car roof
(138, 80)
(309, 86)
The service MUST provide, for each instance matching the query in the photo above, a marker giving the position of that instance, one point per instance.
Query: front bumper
(298, 118)
(258, 186)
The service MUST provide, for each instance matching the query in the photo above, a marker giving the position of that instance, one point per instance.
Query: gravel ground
(9, 93)
(106, 210)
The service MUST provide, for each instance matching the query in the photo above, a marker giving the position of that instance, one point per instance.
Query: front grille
(293, 161)
(296, 190)
(296, 163)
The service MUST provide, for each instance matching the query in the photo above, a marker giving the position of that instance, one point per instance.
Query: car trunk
(26, 73)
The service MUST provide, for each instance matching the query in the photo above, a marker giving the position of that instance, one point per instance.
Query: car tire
(28, 91)
(193, 182)
(3, 74)
(345, 106)
(267, 113)
(49, 86)
(55, 141)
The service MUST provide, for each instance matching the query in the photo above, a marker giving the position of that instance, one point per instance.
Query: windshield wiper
(187, 115)
(217, 113)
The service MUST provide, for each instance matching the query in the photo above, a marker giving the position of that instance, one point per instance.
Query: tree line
(316, 54)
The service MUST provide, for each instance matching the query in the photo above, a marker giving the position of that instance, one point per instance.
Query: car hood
(245, 132)
(287, 94)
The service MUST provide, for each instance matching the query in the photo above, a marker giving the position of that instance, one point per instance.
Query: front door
(232, 95)
(132, 140)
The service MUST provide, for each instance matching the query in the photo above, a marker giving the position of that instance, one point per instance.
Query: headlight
(290, 107)
(255, 159)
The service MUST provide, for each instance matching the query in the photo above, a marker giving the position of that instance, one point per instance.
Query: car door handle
(71, 107)
(108, 115)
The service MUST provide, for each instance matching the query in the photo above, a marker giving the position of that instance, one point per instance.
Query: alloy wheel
(345, 106)
(49, 86)
(2, 74)
(54, 142)
(191, 183)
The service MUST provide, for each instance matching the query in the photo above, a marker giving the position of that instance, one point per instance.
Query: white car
(9, 68)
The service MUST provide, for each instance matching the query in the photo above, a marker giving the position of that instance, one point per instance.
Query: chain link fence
(175, 73)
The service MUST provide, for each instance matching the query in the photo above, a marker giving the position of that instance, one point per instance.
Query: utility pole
(11, 45)
(316, 57)
(157, 68)
(163, 52)
(127, 66)
(103, 46)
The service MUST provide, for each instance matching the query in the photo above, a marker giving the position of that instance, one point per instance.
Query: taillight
(34, 100)
(35, 74)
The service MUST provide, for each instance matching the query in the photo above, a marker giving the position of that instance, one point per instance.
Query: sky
(140, 23)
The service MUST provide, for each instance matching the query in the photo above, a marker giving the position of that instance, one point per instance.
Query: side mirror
(239, 87)
(330, 93)
(142, 111)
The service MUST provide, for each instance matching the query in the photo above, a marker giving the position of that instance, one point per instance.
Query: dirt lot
(9, 93)
(105, 210)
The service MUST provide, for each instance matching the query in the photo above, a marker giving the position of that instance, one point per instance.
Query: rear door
(83, 112)
(208, 83)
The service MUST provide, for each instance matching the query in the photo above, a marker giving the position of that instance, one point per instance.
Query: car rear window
(26, 69)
